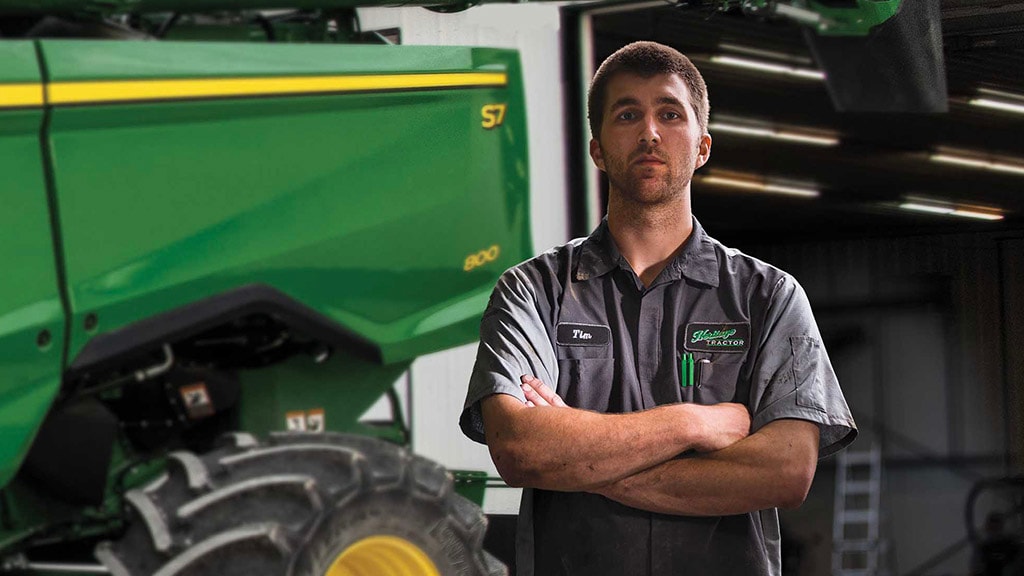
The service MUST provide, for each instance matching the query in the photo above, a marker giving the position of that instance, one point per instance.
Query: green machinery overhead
(828, 18)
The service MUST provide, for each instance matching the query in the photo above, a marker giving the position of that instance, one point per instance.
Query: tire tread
(289, 505)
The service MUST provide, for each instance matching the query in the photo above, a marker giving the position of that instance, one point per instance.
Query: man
(658, 394)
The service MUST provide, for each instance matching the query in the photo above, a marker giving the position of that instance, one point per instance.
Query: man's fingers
(543, 391)
(532, 397)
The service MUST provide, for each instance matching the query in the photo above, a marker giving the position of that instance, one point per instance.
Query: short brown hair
(647, 59)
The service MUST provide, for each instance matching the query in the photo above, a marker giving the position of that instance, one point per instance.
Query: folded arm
(548, 445)
(771, 468)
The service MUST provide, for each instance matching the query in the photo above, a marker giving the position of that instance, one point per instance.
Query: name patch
(582, 334)
(717, 337)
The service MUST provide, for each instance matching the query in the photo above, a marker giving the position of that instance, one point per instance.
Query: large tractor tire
(301, 505)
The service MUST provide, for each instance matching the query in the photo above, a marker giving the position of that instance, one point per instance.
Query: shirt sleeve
(513, 342)
(793, 377)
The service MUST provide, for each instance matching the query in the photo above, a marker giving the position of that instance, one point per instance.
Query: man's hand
(724, 425)
(720, 425)
(538, 394)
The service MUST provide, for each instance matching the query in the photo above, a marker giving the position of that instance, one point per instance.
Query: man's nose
(649, 133)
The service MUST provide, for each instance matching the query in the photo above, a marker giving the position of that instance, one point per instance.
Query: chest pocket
(717, 378)
(585, 366)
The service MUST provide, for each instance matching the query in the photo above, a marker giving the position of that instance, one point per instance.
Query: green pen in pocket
(686, 369)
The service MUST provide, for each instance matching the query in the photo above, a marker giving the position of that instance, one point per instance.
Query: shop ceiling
(785, 162)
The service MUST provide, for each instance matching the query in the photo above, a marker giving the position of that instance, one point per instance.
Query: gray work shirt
(578, 316)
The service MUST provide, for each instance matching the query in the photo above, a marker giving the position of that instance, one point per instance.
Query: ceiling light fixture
(978, 163)
(998, 105)
(761, 52)
(761, 66)
(758, 186)
(999, 100)
(1001, 94)
(801, 15)
(946, 209)
(916, 207)
(976, 214)
(773, 133)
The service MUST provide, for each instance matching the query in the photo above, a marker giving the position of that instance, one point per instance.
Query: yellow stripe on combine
(142, 90)
(21, 95)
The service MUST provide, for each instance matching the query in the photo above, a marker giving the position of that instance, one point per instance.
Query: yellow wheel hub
(383, 556)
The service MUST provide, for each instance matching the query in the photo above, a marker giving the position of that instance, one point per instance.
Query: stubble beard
(634, 187)
(639, 190)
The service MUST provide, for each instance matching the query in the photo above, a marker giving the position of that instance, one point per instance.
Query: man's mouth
(648, 160)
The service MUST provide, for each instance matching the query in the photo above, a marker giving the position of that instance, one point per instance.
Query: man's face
(650, 141)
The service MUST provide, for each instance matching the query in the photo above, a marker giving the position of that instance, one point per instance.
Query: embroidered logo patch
(569, 334)
(717, 337)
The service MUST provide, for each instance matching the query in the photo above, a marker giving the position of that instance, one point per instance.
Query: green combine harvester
(212, 242)
(221, 251)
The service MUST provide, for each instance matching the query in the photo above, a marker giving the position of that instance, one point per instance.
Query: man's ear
(703, 150)
(596, 155)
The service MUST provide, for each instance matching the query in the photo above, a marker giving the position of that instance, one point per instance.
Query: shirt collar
(697, 261)
(598, 253)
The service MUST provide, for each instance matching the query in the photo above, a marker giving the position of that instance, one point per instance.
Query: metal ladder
(856, 543)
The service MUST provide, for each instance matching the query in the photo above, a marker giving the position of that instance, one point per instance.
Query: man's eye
(627, 115)
(671, 115)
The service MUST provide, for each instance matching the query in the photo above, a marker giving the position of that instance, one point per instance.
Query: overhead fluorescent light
(774, 133)
(947, 209)
(997, 105)
(980, 163)
(916, 207)
(801, 15)
(761, 52)
(792, 190)
(762, 66)
(975, 214)
(999, 100)
(732, 182)
(1000, 93)
(759, 186)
